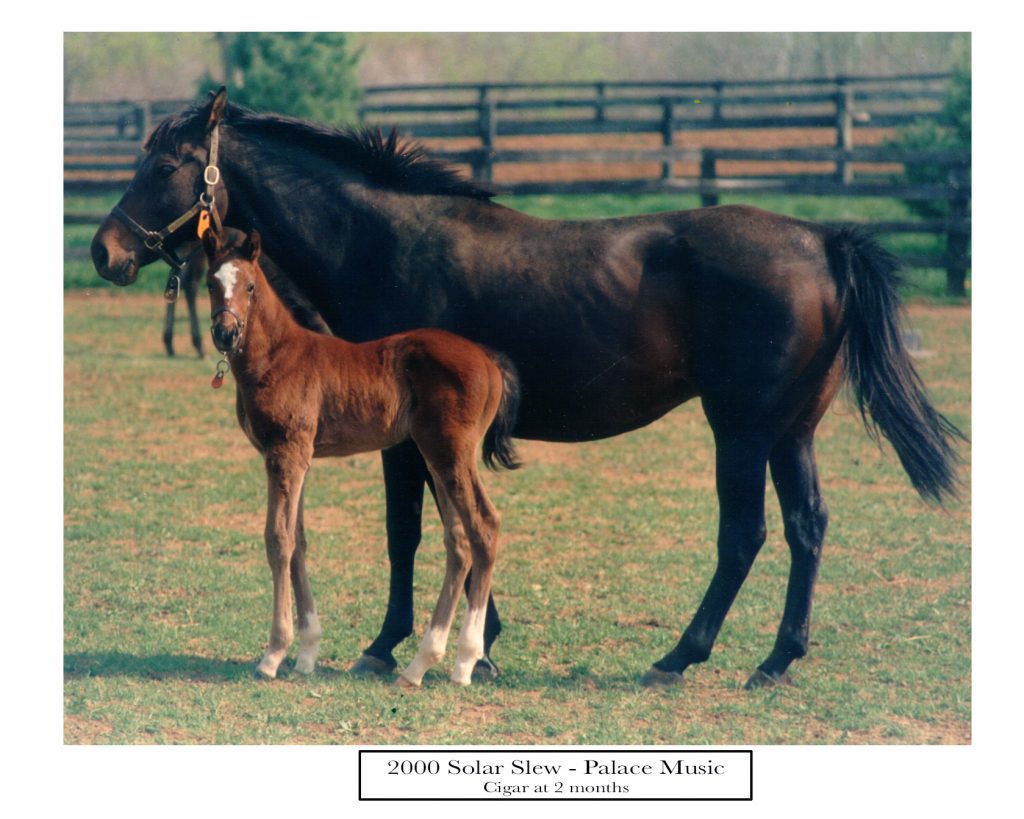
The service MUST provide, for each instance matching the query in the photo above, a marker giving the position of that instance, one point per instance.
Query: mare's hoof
(368, 665)
(761, 679)
(656, 678)
(406, 685)
(485, 670)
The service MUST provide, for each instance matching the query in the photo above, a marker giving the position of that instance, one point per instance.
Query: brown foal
(301, 395)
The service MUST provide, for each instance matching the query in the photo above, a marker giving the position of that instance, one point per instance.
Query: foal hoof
(761, 679)
(656, 678)
(263, 676)
(485, 670)
(406, 684)
(368, 665)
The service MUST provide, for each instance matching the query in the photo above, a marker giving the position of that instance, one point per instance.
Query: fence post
(667, 134)
(483, 168)
(844, 129)
(143, 119)
(707, 174)
(958, 237)
(716, 111)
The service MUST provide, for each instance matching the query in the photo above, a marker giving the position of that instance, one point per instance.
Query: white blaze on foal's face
(227, 275)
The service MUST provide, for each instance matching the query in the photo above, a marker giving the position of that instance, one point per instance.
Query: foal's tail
(888, 391)
(498, 444)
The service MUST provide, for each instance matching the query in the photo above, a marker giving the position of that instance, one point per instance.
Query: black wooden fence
(633, 138)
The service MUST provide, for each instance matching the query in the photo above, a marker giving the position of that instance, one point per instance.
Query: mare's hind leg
(740, 462)
(286, 471)
(309, 621)
(795, 475)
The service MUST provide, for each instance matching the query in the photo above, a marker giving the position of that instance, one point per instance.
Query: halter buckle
(211, 176)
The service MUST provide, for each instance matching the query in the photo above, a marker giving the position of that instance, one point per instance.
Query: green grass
(607, 549)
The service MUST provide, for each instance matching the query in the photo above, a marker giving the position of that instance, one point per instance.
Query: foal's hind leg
(482, 523)
(740, 461)
(458, 559)
(795, 475)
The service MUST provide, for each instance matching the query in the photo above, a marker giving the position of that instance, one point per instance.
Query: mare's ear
(251, 246)
(218, 102)
(211, 243)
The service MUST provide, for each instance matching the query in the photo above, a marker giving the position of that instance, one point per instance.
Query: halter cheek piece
(154, 239)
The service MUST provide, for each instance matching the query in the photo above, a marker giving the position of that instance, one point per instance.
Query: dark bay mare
(610, 323)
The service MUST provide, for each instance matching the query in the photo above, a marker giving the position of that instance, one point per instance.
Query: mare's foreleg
(286, 471)
(740, 462)
(404, 477)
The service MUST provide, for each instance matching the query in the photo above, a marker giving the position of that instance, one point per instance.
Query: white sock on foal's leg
(430, 653)
(471, 646)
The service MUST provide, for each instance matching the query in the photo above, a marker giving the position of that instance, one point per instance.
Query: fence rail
(502, 133)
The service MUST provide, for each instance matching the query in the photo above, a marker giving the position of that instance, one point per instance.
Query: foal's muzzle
(226, 335)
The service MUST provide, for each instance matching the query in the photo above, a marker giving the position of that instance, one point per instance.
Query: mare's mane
(387, 162)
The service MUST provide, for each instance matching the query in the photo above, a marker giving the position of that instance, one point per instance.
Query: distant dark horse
(610, 323)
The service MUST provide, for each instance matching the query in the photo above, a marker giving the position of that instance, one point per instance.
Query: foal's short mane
(388, 162)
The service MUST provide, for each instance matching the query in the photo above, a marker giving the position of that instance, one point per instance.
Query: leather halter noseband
(154, 239)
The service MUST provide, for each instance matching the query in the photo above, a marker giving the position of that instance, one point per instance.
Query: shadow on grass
(156, 667)
(204, 669)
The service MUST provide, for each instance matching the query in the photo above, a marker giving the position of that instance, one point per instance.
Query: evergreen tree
(302, 74)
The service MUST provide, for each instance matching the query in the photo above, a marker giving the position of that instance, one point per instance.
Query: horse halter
(154, 239)
(222, 365)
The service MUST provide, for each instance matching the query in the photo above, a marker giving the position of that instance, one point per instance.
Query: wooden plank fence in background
(499, 131)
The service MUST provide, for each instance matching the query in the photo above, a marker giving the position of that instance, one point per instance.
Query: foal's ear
(211, 243)
(252, 245)
(218, 102)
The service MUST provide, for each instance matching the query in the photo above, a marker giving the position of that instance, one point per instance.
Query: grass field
(607, 549)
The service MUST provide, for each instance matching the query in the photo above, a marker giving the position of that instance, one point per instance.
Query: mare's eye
(166, 170)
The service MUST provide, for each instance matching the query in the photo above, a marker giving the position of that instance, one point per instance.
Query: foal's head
(231, 279)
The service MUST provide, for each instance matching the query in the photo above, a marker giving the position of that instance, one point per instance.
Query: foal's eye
(250, 287)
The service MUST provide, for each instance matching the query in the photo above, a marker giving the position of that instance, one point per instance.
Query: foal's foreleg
(286, 471)
(309, 621)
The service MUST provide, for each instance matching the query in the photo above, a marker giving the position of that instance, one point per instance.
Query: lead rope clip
(218, 377)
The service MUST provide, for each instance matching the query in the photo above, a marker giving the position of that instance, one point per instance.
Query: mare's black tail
(498, 439)
(888, 391)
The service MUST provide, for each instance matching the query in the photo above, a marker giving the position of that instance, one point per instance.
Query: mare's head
(167, 185)
(232, 280)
